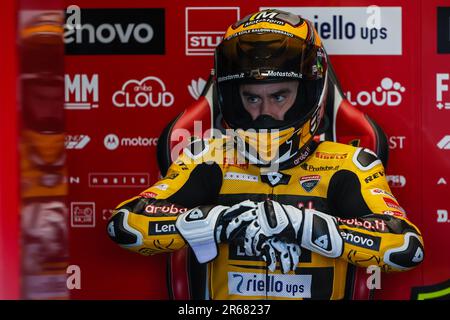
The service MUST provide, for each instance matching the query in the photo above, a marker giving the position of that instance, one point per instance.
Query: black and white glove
(202, 227)
(287, 253)
(311, 229)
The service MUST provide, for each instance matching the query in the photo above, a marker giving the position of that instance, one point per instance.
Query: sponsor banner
(158, 228)
(310, 167)
(387, 93)
(169, 209)
(112, 142)
(377, 225)
(443, 29)
(396, 142)
(240, 176)
(118, 180)
(205, 27)
(196, 87)
(444, 143)
(74, 180)
(442, 91)
(80, 92)
(271, 285)
(373, 176)
(369, 30)
(76, 142)
(442, 216)
(82, 214)
(117, 31)
(150, 91)
(361, 240)
(396, 181)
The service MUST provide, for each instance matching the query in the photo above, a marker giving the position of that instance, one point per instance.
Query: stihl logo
(81, 92)
(444, 144)
(205, 27)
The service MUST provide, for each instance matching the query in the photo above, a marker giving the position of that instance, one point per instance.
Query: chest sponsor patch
(148, 195)
(161, 228)
(240, 176)
(272, 285)
(394, 213)
(393, 204)
(380, 192)
(361, 240)
(331, 156)
(309, 182)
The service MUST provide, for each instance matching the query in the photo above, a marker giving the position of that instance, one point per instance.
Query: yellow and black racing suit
(340, 180)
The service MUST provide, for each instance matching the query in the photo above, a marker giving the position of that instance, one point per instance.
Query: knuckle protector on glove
(275, 220)
(198, 226)
(321, 235)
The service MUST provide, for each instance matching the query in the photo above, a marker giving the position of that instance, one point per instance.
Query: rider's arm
(146, 223)
(373, 226)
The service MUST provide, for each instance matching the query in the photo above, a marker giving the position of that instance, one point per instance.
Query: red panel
(435, 162)
(414, 127)
(9, 189)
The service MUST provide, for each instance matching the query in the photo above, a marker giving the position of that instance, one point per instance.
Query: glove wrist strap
(197, 226)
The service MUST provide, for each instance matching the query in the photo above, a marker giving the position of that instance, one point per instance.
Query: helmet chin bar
(288, 148)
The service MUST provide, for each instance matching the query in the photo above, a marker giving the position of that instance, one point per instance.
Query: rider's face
(273, 99)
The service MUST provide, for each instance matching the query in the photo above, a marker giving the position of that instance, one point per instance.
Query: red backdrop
(397, 76)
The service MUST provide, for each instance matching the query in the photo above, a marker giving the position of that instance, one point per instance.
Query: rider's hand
(311, 229)
(202, 227)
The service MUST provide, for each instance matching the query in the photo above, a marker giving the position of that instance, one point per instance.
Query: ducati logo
(308, 183)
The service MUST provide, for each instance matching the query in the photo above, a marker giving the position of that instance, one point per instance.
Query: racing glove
(202, 227)
(311, 229)
(287, 253)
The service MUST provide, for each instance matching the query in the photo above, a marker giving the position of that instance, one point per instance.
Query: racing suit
(340, 180)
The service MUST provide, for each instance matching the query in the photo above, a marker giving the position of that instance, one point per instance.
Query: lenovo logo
(117, 31)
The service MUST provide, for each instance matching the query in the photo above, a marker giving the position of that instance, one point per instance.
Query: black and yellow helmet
(272, 46)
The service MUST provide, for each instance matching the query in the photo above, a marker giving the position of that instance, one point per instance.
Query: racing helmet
(267, 47)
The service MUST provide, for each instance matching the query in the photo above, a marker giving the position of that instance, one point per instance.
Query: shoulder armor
(365, 159)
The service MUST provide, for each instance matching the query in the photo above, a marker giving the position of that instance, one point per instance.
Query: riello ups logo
(117, 31)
